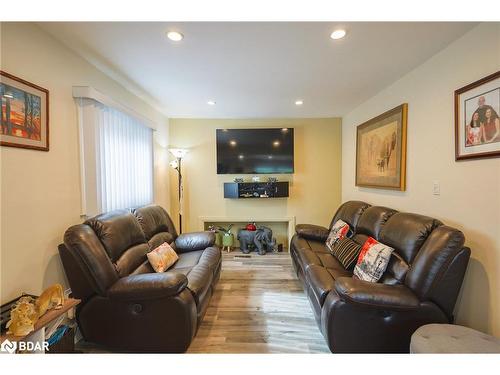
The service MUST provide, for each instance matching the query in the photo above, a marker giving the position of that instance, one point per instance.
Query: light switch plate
(436, 188)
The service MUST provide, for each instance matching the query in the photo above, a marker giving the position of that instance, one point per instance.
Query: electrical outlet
(436, 188)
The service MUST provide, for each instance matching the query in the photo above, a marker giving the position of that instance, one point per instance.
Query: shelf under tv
(255, 190)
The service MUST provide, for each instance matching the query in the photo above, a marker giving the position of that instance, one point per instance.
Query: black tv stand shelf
(255, 190)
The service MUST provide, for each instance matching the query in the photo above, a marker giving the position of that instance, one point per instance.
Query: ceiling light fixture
(10, 96)
(233, 143)
(211, 102)
(175, 36)
(276, 143)
(338, 34)
(299, 102)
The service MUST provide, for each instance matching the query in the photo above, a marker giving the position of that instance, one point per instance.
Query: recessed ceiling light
(338, 34)
(211, 102)
(174, 36)
(232, 143)
(276, 143)
(241, 156)
(299, 102)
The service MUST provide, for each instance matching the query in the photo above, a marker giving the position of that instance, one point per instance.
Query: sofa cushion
(307, 258)
(162, 257)
(373, 219)
(350, 212)
(160, 238)
(130, 259)
(188, 260)
(154, 219)
(338, 231)
(118, 231)
(406, 233)
(346, 251)
(373, 260)
(321, 280)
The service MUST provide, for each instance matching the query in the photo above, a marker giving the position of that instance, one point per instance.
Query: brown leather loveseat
(125, 305)
(420, 285)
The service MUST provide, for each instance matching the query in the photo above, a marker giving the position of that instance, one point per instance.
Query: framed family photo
(477, 122)
(24, 113)
(381, 150)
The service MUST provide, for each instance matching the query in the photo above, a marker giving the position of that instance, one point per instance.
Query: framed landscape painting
(381, 150)
(477, 122)
(24, 113)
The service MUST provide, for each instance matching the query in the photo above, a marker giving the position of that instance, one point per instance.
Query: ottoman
(449, 338)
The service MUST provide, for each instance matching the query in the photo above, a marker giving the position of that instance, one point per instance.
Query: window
(116, 151)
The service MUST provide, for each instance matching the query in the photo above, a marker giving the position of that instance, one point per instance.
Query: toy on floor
(27, 310)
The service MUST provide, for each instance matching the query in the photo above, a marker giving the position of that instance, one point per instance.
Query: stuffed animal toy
(27, 311)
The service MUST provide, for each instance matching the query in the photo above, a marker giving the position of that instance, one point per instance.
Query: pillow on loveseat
(162, 257)
(346, 251)
(372, 261)
(338, 231)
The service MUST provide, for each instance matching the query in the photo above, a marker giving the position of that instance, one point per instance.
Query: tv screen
(255, 151)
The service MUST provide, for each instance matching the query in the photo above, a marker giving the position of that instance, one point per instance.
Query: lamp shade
(174, 164)
(178, 152)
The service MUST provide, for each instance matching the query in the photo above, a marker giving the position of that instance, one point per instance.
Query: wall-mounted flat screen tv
(255, 151)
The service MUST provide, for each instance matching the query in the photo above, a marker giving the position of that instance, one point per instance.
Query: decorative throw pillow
(346, 251)
(373, 260)
(339, 230)
(162, 258)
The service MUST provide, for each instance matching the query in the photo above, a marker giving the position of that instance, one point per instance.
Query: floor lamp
(179, 154)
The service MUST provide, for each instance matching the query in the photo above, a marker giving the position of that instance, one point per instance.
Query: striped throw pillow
(346, 251)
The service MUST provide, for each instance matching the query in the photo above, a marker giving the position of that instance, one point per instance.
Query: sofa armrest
(194, 241)
(312, 232)
(148, 286)
(381, 296)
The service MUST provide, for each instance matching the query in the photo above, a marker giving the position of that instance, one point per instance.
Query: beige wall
(470, 190)
(315, 185)
(40, 191)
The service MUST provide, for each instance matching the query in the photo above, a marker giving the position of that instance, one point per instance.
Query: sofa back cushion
(156, 225)
(350, 212)
(122, 238)
(407, 232)
(373, 220)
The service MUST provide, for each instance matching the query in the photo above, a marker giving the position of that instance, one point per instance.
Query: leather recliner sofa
(420, 285)
(125, 305)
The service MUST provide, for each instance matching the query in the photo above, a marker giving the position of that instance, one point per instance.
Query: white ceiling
(256, 69)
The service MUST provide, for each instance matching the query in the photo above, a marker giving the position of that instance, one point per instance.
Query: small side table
(450, 338)
(38, 334)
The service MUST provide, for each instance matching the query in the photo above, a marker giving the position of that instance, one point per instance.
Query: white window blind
(116, 151)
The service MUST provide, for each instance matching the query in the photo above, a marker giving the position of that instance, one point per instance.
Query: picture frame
(24, 113)
(381, 150)
(477, 121)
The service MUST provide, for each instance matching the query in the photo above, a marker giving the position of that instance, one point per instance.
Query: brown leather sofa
(126, 306)
(420, 285)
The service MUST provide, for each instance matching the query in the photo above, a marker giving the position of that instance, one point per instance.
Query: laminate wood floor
(258, 306)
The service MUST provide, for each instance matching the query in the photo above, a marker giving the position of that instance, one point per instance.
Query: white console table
(289, 221)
